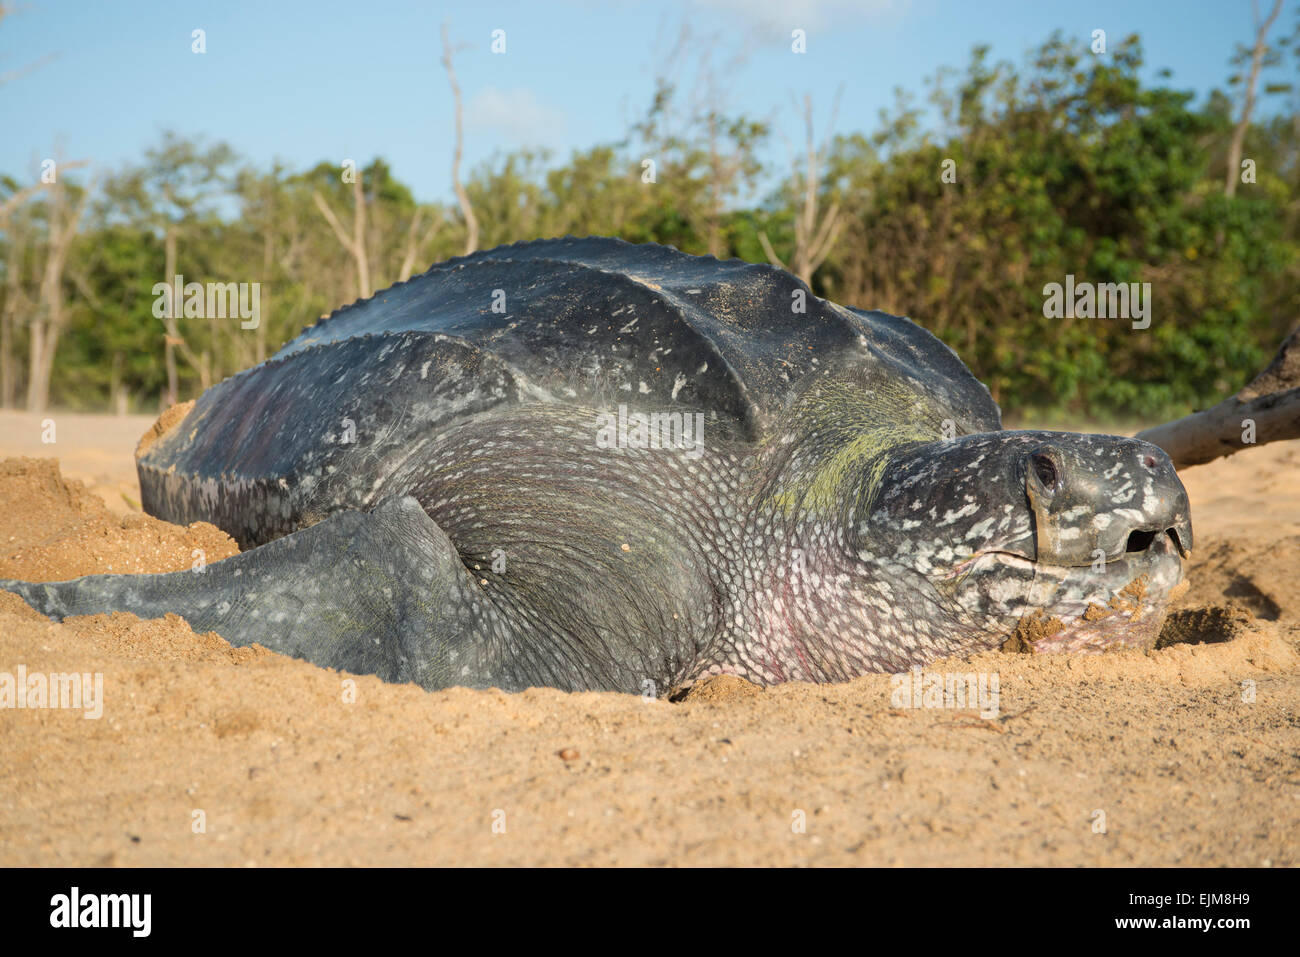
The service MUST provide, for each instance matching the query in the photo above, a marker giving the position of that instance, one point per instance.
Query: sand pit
(210, 755)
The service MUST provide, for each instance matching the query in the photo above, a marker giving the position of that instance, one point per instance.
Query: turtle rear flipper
(380, 592)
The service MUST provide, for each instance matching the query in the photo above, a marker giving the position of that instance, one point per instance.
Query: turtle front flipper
(380, 592)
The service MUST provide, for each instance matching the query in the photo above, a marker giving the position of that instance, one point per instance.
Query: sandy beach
(204, 754)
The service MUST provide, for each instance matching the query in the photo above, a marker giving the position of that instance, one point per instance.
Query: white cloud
(516, 113)
(807, 14)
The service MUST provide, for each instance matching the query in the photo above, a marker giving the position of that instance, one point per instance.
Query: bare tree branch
(29, 68)
(14, 200)
(359, 237)
(342, 234)
(772, 257)
(354, 245)
(821, 246)
(414, 244)
(462, 197)
(815, 232)
(5, 10)
(1248, 104)
(47, 325)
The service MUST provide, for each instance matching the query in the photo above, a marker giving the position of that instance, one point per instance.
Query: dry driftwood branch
(1266, 410)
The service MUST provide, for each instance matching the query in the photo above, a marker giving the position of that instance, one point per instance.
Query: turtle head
(1052, 541)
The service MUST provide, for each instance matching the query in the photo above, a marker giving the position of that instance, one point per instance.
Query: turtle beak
(1105, 503)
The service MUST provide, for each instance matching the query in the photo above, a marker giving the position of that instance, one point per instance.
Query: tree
(1257, 56)
(171, 194)
(355, 244)
(705, 157)
(466, 210)
(17, 228)
(1064, 165)
(66, 206)
(815, 230)
(417, 239)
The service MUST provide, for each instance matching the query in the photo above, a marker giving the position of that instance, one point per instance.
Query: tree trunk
(50, 318)
(355, 244)
(6, 330)
(815, 233)
(415, 241)
(6, 370)
(359, 236)
(1248, 104)
(169, 324)
(462, 197)
(47, 358)
(268, 263)
(35, 362)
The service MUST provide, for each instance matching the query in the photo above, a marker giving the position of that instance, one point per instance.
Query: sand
(210, 755)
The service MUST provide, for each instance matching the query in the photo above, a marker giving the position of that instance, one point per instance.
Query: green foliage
(1066, 165)
(1073, 168)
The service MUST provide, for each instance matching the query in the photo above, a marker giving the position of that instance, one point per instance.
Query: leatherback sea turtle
(594, 465)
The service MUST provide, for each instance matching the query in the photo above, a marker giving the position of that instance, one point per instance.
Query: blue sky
(306, 81)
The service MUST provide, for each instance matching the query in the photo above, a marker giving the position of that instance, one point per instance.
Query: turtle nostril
(1149, 461)
(1139, 541)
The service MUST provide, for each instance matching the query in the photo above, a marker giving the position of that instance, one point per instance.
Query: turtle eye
(1045, 469)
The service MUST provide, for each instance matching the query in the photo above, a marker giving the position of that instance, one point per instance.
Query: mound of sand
(52, 529)
(207, 754)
